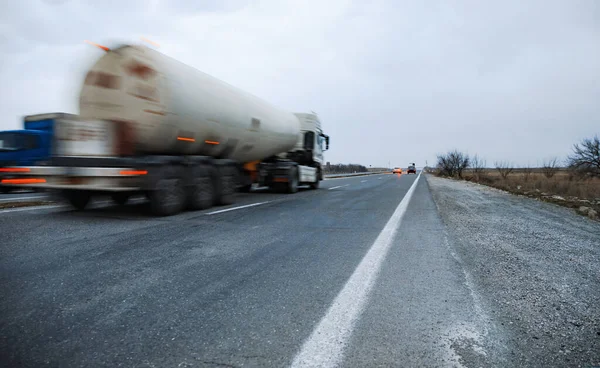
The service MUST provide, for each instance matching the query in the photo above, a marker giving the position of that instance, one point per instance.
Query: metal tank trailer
(149, 123)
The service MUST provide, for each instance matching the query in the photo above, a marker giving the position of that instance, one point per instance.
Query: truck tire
(225, 185)
(292, 184)
(201, 193)
(120, 198)
(79, 199)
(168, 196)
(315, 185)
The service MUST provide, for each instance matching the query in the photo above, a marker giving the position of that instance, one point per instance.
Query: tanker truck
(150, 124)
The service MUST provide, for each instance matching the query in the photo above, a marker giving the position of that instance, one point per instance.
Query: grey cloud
(186, 7)
(392, 81)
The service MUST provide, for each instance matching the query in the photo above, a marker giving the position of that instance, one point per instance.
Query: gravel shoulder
(536, 267)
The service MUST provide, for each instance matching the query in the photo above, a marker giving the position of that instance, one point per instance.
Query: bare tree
(586, 157)
(550, 167)
(453, 163)
(478, 166)
(504, 168)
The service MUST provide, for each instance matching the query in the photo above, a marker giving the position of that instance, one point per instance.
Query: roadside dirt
(536, 267)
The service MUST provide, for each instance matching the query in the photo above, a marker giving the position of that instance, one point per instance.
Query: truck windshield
(16, 141)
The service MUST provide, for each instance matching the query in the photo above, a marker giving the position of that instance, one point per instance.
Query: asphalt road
(366, 271)
(22, 196)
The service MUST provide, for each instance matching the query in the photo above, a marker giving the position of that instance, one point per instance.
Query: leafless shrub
(550, 167)
(453, 163)
(586, 157)
(504, 168)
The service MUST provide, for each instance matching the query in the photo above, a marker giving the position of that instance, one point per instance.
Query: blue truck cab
(31, 146)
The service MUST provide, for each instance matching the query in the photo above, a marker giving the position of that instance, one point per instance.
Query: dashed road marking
(237, 208)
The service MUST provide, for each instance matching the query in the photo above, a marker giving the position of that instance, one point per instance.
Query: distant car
(412, 169)
(397, 170)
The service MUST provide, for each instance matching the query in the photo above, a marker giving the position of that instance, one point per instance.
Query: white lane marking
(92, 204)
(339, 186)
(32, 208)
(20, 198)
(380, 178)
(362, 181)
(353, 177)
(237, 208)
(325, 346)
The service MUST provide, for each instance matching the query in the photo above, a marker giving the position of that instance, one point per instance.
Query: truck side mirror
(326, 142)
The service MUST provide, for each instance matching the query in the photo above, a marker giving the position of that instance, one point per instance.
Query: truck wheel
(318, 178)
(168, 197)
(225, 185)
(79, 199)
(202, 191)
(120, 198)
(292, 184)
(315, 185)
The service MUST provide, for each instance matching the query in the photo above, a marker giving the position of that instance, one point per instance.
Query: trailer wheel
(120, 198)
(168, 197)
(225, 185)
(79, 199)
(202, 191)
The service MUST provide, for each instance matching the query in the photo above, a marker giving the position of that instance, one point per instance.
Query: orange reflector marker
(149, 41)
(133, 172)
(98, 46)
(23, 181)
(186, 139)
(14, 169)
(211, 142)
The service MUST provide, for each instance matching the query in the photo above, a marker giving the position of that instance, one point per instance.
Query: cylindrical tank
(173, 108)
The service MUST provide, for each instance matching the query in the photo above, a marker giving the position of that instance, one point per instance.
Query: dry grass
(574, 190)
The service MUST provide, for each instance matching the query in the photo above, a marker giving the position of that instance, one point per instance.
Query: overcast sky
(393, 81)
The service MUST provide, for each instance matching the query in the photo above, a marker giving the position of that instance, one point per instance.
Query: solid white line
(326, 344)
(339, 186)
(237, 208)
